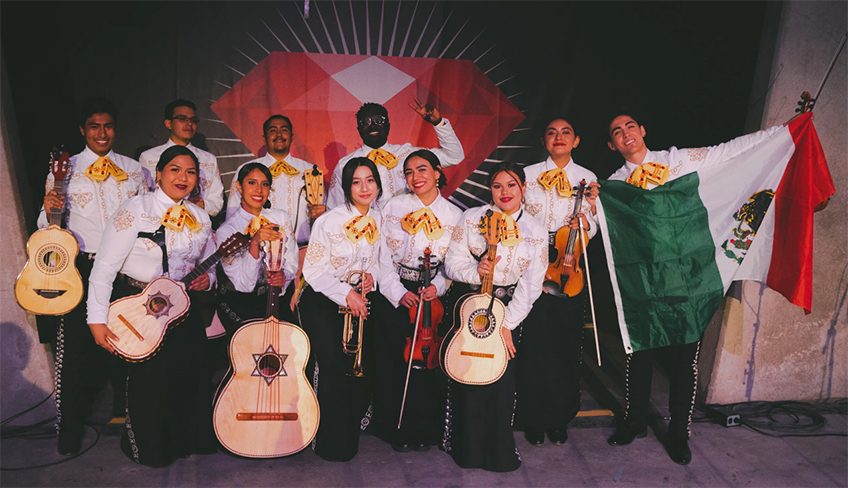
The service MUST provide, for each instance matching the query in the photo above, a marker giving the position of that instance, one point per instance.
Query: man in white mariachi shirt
(372, 123)
(99, 181)
(648, 169)
(287, 189)
(181, 121)
(552, 340)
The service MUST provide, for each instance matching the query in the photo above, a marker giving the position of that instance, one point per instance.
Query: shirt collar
(550, 164)
(87, 156)
(162, 197)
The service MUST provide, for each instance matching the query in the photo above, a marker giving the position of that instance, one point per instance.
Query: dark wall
(687, 67)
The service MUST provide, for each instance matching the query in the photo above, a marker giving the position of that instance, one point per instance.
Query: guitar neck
(54, 216)
(487, 284)
(202, 267)
(273, 306)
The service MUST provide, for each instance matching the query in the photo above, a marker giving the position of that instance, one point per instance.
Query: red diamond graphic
(322, 92)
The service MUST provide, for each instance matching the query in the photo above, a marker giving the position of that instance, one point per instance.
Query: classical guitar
(474, 353)
(50, 283)
(140, 321)
(267, 408)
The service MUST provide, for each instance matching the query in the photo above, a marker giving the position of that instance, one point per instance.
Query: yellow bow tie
(508, 233)
(361, 226)
(255, 224)
(556, 178)
(280, 167)
(178, 217)
(423, 217)
(656, 173)
(381, 156)
(102, 168)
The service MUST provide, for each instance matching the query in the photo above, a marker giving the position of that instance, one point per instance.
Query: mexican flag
(673, 251)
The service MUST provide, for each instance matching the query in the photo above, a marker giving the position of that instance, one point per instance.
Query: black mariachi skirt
(478, 420)
(343, 399)
(169, 399)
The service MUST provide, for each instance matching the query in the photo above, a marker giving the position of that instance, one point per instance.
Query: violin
(564, 275)
(425, 352)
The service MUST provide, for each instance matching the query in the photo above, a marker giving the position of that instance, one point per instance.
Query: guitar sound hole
(157, 305)
(269, 365)
(52, 259)
(481, 324)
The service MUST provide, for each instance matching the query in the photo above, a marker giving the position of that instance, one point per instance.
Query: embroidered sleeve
(123, 219)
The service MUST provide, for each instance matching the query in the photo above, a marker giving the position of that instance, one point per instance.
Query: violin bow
(411, 354)
(591, 297)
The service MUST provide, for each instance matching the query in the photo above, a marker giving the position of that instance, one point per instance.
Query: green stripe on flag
(664, 259)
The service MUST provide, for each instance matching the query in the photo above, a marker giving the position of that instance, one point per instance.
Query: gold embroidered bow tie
(656, 173)
(508, 233)
(556, 178)
(505, 229)
(361, 226)
(280, 167)
(103, 168)
(178, 217)
(381, 156)
(255, 224)
(423, 218)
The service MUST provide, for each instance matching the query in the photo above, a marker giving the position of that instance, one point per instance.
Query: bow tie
(381, 156)
(102, 168)
(506, 228)
(177, 217)
(656, 173)
(255, 224)
(280, 167)
(423, 217)
(361, 226)
(556, 178)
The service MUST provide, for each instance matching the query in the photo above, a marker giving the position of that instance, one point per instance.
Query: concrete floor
(722, 456)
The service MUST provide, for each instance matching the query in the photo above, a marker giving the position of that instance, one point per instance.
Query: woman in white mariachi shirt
(168, 408)
(547, 375)
(479, 430)
(246, 270)
(412, 222)
(343, 252)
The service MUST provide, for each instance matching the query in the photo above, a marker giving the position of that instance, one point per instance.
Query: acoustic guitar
(140, 321)
(474, 353)
(50, 283)
(267, 408)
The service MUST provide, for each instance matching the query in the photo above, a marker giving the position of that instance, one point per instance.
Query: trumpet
(353, 332)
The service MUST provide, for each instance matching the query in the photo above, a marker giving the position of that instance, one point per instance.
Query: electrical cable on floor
(778, 419)
(63, 460)
(13, 417)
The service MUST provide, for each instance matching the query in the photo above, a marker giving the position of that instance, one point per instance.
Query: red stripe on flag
(805, 184)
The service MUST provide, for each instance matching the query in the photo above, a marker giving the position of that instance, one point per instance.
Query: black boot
(624, 435)
(534, 436)
(678, 449)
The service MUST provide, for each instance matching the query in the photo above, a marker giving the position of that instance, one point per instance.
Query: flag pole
(591, 297)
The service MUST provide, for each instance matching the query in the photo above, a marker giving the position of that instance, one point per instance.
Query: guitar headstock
(59, 163)
(234, 244)
(314, 180)
(489, 225)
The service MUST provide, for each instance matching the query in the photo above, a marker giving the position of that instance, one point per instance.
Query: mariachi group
(377, 304)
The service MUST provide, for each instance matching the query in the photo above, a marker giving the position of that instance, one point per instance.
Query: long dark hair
(347, 177)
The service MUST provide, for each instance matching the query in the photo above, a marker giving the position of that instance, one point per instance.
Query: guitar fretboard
(54, 216)
(487, 284)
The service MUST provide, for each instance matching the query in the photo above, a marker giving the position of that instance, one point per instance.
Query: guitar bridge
(50, 293)
(266, 416)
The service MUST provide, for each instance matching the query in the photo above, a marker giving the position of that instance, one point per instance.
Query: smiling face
(278, 137)
(178, 178)
(373, 129)
(363, 188)
(560, 139)
(627, 137)
(182, 125)
(255, 189)
(99, 133)
(421, 178)
(507, 191)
